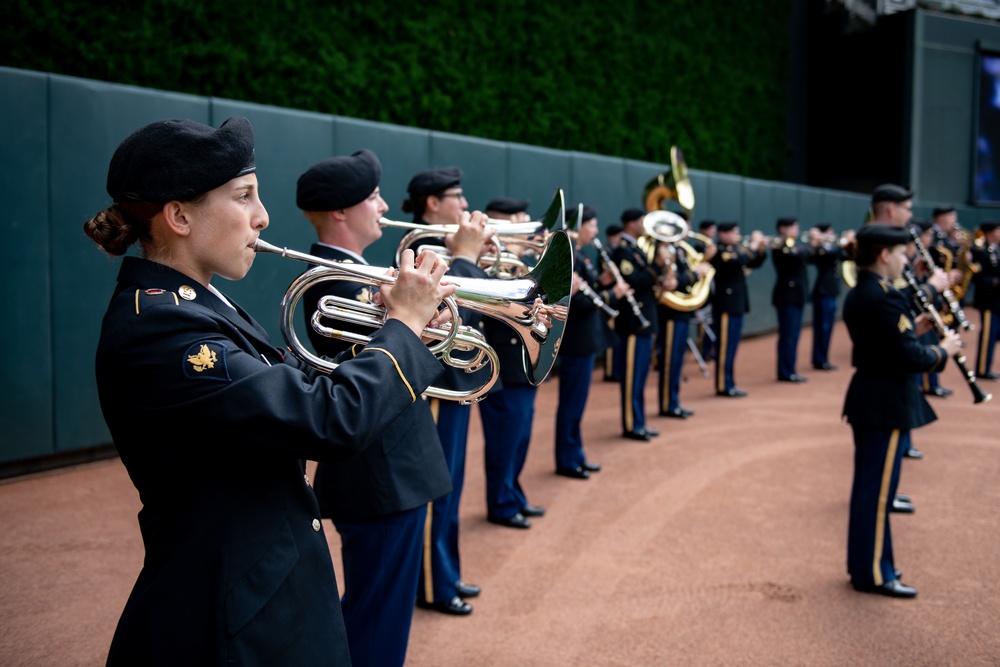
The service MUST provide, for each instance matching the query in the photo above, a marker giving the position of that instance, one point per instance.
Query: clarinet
(949, 296)
(643, 322)
(978, 395)
(598, 301)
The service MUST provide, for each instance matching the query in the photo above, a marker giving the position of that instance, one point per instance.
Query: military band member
(213, 421)
(945, 244)
(708, 229)
(929, 381)
(788, 297)
(827, 259)
(613, 234)
(586, 335)
(674, 321)
(508, 411)
(733, 261)
(634, 352)
(882, 404)
(436, 198)
(377, 500)
(987, 297)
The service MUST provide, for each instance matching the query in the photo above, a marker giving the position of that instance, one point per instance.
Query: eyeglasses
(458, 195)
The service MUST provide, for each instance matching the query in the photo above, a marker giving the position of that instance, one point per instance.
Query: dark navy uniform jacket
(406, 467)
(886, 354)
(730, 294)
(212, 423)
(987, 279)
(686, 278)
(642, 276)
(827, 258)
(587, 331)
(791, 287)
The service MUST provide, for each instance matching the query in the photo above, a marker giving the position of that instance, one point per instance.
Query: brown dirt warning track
(722, 542)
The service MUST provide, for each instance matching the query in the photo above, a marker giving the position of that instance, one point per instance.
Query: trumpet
(523, 304)
(504, 231)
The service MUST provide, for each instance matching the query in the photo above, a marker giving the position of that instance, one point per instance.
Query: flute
(949, 296)
(636, 310)
(978, 395)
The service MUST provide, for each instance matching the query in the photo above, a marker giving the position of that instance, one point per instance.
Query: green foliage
(627, 78)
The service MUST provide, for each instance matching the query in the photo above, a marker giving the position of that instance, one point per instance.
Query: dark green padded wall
(26, 407)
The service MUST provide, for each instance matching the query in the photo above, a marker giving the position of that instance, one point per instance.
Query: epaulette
(147, 298)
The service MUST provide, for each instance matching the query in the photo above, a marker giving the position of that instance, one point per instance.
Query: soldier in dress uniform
(586, 335)
(613, 234)
(703, 315)
(733, 261)
(827, 259)
(928, 381)
(674, 323)
(377, 500)
(213, 422)
(882, 404)
(987, 296)
(634, 353)
(788, 297)
(436, 198)
(508, 411)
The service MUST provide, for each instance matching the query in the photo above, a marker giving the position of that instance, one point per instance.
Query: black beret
(727, 226)
(435, 180)
(787, 222)
(339, 182)
(988, 226)
(890, 192)
(508, 205)
(630, 214)
(589, 213)
(825, 227)
(942, 210)
(705, 224)
(881, 233)
(179, 159)
(922, 225)
(613, 229)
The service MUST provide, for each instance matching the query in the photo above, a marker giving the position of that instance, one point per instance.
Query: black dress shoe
(902, 507)
(636, 435)
(906, 499)
(576, 473)
(465, 590)
(676, 413)
(516, 521)
(989, 376)
(939, 391)
(687, 413)
(533, 510)
(913, 453)
(591, 467)
(825, 367)
(455, 606)
(735, 392)
(650, 432)
(894, 589)
(793, 378)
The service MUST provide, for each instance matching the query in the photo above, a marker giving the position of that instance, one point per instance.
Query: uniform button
(513, 341)
(729, 290)
(791, 283)
(316, 525)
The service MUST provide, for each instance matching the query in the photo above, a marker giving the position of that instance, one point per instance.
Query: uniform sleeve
(189, 374)
(897, 325)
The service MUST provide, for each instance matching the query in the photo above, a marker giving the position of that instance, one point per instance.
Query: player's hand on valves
(418, 290)
(472, 239)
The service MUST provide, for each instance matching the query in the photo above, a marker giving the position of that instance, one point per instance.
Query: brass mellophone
(524, 304)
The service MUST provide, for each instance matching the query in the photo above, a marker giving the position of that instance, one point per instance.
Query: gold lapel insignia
(900, 283)
(187, 293)
(726, 256)
(627, 268)
(904, 324)
(205, 358)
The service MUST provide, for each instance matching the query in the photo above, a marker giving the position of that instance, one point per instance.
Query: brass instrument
(514, 302)
(531, 234)
(671, 229)
(965, 266)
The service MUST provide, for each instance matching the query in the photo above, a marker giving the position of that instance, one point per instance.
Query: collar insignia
(187, 293)
(206, 359)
